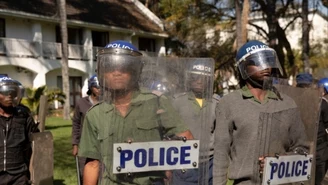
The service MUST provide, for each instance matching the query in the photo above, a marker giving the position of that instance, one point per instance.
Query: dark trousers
(194, 176)
(320, 171)
(10, 179)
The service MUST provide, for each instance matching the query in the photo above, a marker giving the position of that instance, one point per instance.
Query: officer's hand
(168, 178)
(261, 163)
(75, 150)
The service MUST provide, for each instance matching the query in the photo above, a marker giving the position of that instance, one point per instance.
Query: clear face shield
(11, 93)
(118, 70)
(137, 138)
(199, 82)
(262, 59)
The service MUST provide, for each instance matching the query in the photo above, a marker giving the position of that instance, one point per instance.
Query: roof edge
(55, 19)
(149, 13)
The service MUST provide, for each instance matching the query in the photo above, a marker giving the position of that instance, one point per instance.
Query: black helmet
(11, 87)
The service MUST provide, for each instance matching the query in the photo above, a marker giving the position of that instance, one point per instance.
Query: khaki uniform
(239, 136)
(104, 126)
(194, 116)
(201, 121)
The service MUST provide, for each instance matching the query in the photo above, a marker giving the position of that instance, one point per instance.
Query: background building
(30, 41)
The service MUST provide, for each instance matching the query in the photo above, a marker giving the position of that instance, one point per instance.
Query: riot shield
(136, 133)
(186, 80)
(286, 135)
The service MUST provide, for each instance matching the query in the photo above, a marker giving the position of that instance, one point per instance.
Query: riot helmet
(259, 55)
(10, 92)
(323, 82)
(119, 57)
(159, 86)
(22, 91)
(304, 80)
(92, 82)
(198, 77)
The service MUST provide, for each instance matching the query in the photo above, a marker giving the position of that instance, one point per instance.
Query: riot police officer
(80, 110)
(126, 113)
(243, 134)
(304, 80)
(16, 127)
(197, 108)
(322, 140)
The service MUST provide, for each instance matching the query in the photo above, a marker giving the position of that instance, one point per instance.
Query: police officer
(304, 80)
(80, 110)
(198, 111)
(16, 127)
(237, 154)
(322, 140)
(126, 114)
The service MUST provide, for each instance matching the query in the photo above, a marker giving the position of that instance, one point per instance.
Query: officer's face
(258, 75)
(117, 80)
(7, 98)
(198, 83)
(95, 90)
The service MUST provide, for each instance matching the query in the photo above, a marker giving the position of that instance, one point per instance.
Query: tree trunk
(272, 23)
(305, 36)
(147, 3)
(244, 19)
(64, 60)
(239, 31)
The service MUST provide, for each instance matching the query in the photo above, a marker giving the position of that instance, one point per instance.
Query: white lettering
(115, 45)
(255, 47)
(202, 68)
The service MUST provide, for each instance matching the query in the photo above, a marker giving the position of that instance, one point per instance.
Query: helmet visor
(263, 59)
(109, 63)
(12, 91)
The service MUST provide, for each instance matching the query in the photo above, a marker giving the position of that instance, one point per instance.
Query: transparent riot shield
(286, 135)
(136, 132)
(188, 82)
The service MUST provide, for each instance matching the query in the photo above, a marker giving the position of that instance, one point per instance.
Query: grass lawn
(64, 162)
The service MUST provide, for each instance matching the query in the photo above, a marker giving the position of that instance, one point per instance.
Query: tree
(241, 22)
(33, 96)
(305, 35)
(276, 36)
(64, 59)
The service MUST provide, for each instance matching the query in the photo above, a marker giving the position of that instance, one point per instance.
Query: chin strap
(266, 85)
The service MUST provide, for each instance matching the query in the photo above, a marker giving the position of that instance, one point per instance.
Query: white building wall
(36, 71)
(318, 32)
(48, 32)
(18, 28)
(25, 77)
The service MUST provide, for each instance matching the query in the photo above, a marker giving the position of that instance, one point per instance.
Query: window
(75, 88)
(146, 44)
(74, 35)
(100, 39)
(2, 28)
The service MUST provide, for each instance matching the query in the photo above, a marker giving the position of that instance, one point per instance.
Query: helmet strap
(255, 83)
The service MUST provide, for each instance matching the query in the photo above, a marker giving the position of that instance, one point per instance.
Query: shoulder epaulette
(216, 97)
(179, 95)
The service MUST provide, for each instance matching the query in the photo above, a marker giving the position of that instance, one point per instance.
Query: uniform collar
(135, 101)
(246, 93)
(192, 97)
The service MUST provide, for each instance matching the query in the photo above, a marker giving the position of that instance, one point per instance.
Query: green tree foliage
(33, 96)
